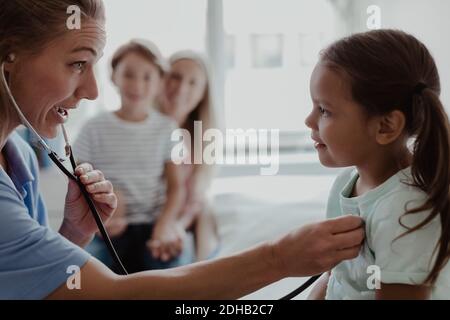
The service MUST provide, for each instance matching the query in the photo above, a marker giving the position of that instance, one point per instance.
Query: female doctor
(50, 68)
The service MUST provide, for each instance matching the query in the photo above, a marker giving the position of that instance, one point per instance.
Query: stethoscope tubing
(92, 208)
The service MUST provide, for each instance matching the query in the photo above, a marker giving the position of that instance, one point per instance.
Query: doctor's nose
(88, 87)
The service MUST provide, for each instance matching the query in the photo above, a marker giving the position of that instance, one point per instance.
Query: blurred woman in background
(188, 98)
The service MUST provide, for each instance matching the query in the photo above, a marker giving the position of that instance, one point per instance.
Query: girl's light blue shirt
(384, 258)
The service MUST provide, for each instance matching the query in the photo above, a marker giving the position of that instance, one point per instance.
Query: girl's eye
(323, 112)
(79, 66)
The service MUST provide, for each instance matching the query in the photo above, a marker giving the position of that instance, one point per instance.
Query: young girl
(133, 147)
(188, 98)
(377, 108)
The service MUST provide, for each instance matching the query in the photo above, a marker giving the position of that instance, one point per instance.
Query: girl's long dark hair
(392, 70)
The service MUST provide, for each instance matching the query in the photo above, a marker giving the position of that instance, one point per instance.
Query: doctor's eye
(79, 65)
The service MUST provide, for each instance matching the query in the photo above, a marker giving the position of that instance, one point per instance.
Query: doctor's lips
(62, 113)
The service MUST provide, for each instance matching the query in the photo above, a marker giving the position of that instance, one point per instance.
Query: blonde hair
(204, 112)
(145, 48)
(28, 26)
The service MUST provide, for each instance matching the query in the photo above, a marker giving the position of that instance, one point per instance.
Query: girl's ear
(390, 127)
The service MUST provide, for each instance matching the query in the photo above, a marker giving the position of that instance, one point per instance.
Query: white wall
(428, 20)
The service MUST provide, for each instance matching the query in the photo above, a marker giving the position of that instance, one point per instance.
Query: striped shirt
(132, 156)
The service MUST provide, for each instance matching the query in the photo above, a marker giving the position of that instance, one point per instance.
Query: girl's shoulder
(404, 196)
(402, 190)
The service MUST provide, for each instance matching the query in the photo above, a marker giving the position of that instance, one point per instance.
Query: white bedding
(250, 210)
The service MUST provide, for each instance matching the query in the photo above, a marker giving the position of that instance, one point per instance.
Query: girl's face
(47, 85)
(342, 132)
(185, 87)
(138, 81)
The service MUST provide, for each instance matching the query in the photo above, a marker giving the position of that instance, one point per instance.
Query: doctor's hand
(117, 225)
(318, 247)
(79, 224)
(167, 240)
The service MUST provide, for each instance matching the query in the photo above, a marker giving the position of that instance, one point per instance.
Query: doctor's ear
(11, 58)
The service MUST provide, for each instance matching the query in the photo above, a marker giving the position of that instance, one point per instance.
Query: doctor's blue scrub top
(34, 259)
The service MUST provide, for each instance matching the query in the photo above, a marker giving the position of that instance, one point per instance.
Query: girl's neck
(133, 114)
(377, 170)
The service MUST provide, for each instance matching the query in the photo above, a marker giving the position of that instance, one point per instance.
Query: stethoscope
(58, 161)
